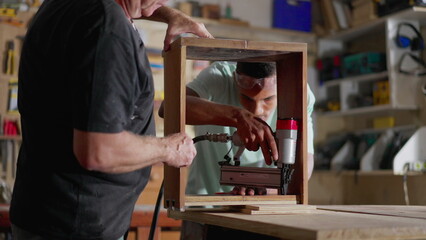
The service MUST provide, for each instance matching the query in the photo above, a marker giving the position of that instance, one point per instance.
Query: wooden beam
(174, 120)
(275, 209)
(203, 200)
(281, 207)
(243, 44)
(292, 101)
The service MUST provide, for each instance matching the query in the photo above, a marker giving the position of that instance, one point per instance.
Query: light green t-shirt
(216, 84)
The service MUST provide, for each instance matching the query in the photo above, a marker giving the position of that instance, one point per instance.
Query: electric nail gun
(278, 178)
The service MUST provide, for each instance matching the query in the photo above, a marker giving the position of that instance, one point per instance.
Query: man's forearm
(200, 111)
(163, 14)
(117, 153)
(125, 151)
(204, 112)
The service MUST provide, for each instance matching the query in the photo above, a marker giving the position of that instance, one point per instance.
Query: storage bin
(292, 14)
(364, 63)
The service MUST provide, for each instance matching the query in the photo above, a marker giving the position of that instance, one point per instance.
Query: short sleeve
(310, 109)
(213, 81)
(106, 87)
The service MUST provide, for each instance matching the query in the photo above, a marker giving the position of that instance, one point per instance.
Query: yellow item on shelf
(333, 106)
(381, 93)
(8, 12)
(384, 122)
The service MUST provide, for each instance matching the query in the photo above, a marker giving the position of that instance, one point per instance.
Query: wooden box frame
(291, 61)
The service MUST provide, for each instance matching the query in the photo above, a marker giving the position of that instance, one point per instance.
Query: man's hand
(178, 23)
(255, 133)
(248, 191)
(253, 191)
(181, 150)
(181, 23)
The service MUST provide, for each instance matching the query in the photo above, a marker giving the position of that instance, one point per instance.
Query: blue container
(292, 14)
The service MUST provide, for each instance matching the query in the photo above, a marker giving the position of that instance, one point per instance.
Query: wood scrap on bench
(221, 200)
(274, 209)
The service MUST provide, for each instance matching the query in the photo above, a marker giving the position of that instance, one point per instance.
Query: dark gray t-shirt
(83, 66)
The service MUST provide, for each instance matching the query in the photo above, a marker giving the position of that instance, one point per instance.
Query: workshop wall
(257, 13)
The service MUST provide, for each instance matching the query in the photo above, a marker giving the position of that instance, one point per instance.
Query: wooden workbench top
(327, 222)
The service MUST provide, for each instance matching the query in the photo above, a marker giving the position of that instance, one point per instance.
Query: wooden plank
(232, 49)
(212, 43)
(230, 54)
(277, 46)
(388, 210)
(242, 44)
(320, 225)
(174, 120)
(292, 100)
(275, 209)
(170, 235)
(280, 207)
(278, 211)
(197, 200)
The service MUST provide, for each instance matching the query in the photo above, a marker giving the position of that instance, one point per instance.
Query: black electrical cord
(156, 212)
(160, 196)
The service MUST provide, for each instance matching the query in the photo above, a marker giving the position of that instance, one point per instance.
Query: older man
(85, 98)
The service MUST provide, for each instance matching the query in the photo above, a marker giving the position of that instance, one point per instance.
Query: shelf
(5, 137)
(11, 116)
(380, 130)
(361, 78)
(366, 110)
(415, 13)
(381, 172)
(7, 77)
(219, 29)
(231, 31)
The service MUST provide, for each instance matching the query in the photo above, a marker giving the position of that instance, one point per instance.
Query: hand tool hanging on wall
(9, 60)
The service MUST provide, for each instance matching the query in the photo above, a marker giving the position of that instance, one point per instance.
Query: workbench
(139, 226)
(326, 222)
